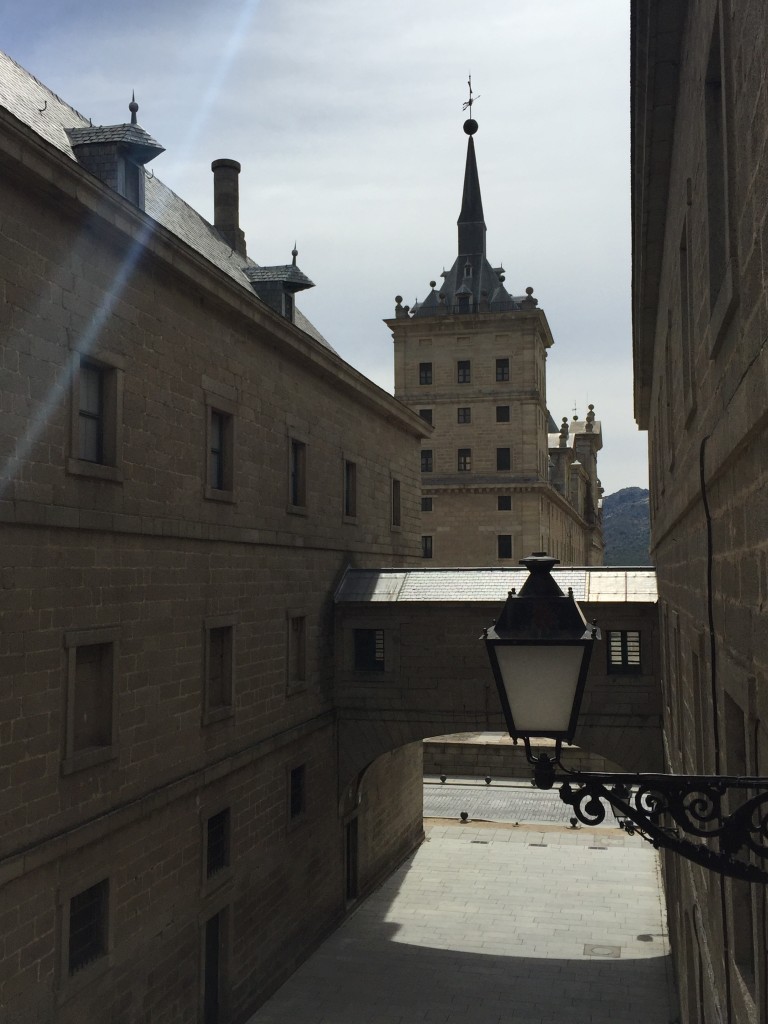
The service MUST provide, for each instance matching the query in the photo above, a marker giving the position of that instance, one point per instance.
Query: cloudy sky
(346, 117)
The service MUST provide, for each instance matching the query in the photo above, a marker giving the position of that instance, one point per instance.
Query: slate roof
(131, 134)
(287, 273)
(589, 583)
(45, 113)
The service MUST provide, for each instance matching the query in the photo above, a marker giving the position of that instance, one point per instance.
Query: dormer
(277, 285)
(116, 154)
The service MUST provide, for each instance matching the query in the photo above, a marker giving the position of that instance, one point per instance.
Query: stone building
(498, 479)
(180, 492)
(700, 310)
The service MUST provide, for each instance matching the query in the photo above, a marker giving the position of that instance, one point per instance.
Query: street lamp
(540, 647)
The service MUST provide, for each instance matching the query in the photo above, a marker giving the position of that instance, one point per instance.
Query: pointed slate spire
(471, 222)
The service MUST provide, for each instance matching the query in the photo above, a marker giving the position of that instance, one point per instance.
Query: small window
(218, 453)
(503, 460)
(624, 651)
(426, 415)
(502, 414)
(288, 306)
(90, 723)
(505, 545)
(96, 424)
(463, 373)
(350, 489)
(426, 547)
(396, 512)
(297, 650)
(426, 504)
(426, 460)
(92, 719)
(464, 415)
(88, 926)
(505, 503)
(463, 302)
(502, 369)
(425, 373)
(369, 650)
(217, 843)
(91, 412)
(297, 480)
(297, 796)
(218, 669)
(464, 460)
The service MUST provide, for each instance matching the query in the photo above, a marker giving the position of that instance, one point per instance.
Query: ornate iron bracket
(661, 807)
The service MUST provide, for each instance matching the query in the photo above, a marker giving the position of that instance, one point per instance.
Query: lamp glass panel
(541, 684)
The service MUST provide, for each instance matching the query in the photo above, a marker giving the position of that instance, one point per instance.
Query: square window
(297, 650)
(396, 511)
(219, 651)
(464, 460)
(88, 926)
(464, 415)
(96, 425)
(502, 414)
(502, 369)
(350, 489)
(624, 651)
(297, 474)
(426, 460)
(503, 459)
(425, 373)
(504, 545)
(426, 415)
(463, 373)
(426, 547)
(504, 503)
(426, 504)
(368, 650)
(217, 843)
(297, 796)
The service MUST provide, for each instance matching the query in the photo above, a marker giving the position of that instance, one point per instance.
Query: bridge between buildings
(410, 663)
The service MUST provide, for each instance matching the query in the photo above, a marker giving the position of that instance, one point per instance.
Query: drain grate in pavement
(480, 842)
(538, 844)
(597, 847)
(609, 952)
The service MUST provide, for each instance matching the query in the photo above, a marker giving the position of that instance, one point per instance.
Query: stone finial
(591, 419)
(432, 284)
(564, 433)
(400, 310)
(529, 302)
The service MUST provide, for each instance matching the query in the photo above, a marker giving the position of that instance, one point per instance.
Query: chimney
(226, 203)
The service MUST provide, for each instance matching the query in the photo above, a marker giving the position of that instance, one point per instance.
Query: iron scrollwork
(666, 809)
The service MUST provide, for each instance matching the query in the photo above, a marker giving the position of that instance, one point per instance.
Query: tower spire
(471, 221)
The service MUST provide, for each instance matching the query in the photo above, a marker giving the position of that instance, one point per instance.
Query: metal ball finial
(133, 106)
(470, 126)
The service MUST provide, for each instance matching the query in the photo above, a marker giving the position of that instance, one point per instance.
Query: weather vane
(472, 99)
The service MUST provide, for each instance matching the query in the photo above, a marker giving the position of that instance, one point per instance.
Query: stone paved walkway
(487, 924)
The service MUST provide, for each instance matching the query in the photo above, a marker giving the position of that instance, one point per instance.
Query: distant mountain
(627, 527)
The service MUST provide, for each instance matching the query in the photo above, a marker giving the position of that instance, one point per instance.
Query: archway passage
(410, 663)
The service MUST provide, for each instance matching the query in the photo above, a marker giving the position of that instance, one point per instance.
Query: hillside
(626, 527)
